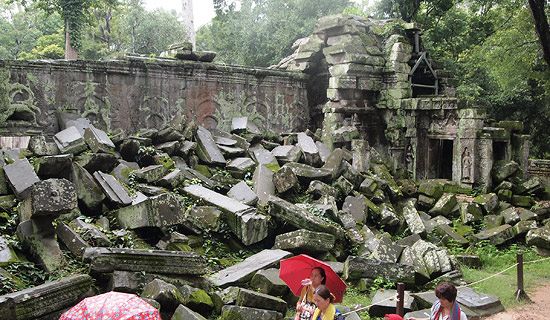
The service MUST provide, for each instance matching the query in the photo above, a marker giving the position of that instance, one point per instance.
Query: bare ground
(538, 310)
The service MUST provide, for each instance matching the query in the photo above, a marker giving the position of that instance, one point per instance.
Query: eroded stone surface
(21, 177)
(305, 241)
(243, 271)
(155, 261)
(46, 299)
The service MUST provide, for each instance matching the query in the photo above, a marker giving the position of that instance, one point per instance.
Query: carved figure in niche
(409, 160)
(467, 166)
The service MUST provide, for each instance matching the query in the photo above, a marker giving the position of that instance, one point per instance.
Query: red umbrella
(112, 306)
(294, 270)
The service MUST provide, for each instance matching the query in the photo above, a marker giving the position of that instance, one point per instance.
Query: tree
(23, 29)
(47, 47)
(75, 14)
(541, 26)
(138, 31)
(261, 32)
(491, 49)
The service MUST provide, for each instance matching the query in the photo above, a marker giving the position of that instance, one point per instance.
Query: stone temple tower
(188, 20)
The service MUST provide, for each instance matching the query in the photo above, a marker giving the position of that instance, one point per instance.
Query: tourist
(446, 307)
(325, 309)
(305, 306)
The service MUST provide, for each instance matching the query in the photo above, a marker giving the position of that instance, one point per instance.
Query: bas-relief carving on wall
(154, 112)
(467, 166)
(17, 102)
(278, 115)
(437, 104)
(410, 157)
(88, 100)
(444, 122)
(229, 106)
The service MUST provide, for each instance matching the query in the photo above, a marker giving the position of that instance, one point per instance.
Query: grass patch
(355, 299)
(504, 285)
(494, 260)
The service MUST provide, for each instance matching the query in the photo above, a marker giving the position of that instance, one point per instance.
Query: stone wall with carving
(134, 94)
(540, 168)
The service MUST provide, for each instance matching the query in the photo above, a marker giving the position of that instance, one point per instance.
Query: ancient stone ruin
(372, 80)
(129, 176)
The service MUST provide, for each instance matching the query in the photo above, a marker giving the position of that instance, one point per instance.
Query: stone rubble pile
(140, 210)
(184, 51)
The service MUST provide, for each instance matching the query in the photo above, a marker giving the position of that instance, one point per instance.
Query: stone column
(331, 122)
(466, 167)
(485, 162)
(520, 150)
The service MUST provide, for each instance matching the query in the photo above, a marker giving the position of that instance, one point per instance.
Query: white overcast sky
(203, 10)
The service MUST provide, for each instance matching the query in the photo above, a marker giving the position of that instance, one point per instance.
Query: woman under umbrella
(303, 274)
(306, 306)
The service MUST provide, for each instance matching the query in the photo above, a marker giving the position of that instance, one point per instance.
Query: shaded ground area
(538, 310)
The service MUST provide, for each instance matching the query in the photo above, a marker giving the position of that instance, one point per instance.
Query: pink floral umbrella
(112, 306)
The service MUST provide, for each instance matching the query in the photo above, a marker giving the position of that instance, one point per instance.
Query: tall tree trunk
(541, 26)
(188, 20)
(70, 52)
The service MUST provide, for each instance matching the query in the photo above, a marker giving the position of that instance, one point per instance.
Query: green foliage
(504, 285)
(261, 33)
(120, 238)
(381, 283)
(9, 220)
(218, 254)
(97, 28)
(492, 50)
(27, 275)
(355, 299)
(165, 160)
(75, 14)
(299, 197)
(230, 315)
(461, 228)
(47, 47)
(21, 31)
(138, 31)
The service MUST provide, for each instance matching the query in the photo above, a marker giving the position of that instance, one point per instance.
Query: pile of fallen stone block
(275, 195)
(184, 51)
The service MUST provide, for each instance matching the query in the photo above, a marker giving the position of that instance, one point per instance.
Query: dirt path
(538, 310)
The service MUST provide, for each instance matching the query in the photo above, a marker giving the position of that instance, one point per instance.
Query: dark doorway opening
(499, 150)
(440, 159)
(317, 86)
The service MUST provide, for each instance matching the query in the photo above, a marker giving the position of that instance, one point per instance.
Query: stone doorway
(499, 150)
(440, 159)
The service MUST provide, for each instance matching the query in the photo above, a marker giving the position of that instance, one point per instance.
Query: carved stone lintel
(157, 261)
(34, 303)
